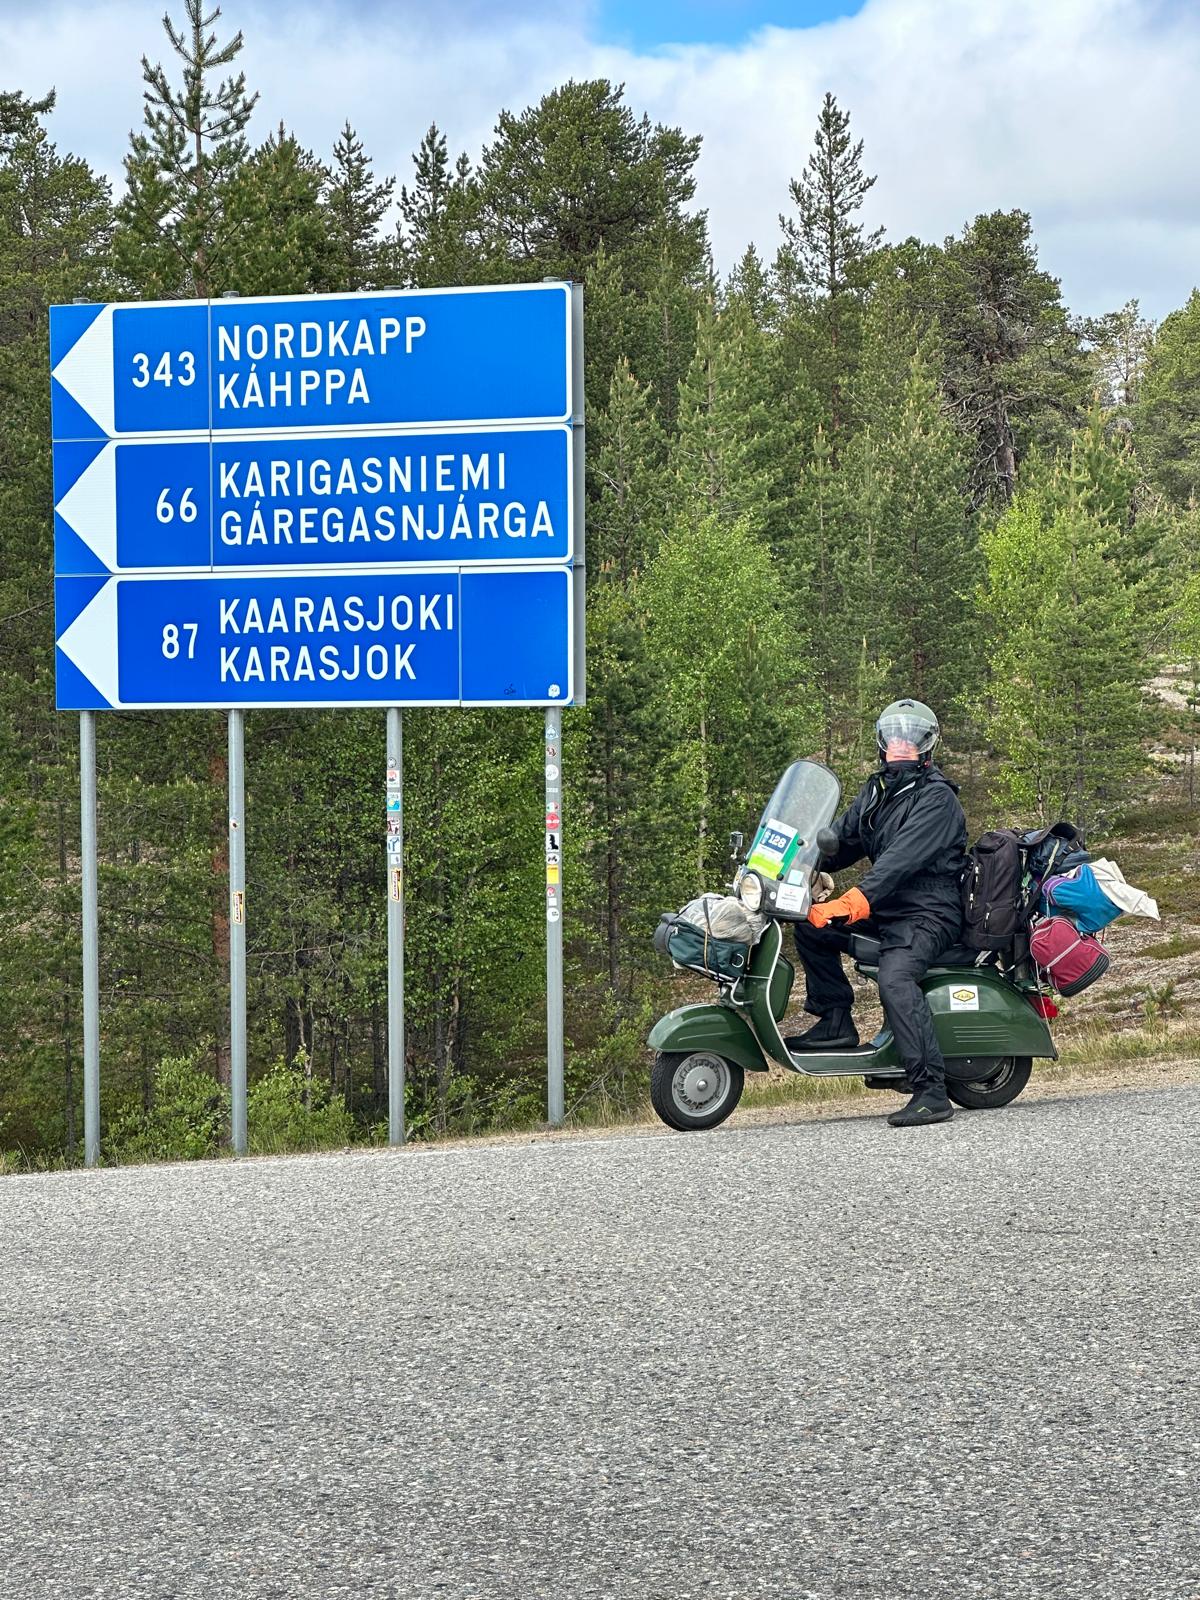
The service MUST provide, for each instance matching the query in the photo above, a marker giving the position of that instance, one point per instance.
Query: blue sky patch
(647, 24)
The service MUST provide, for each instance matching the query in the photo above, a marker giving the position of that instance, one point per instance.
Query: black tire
(1007, 1076)
(694, 1089)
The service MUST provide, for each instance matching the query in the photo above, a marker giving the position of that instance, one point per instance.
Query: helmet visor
(907, 728)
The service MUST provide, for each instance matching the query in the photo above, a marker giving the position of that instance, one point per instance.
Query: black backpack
(994, 892)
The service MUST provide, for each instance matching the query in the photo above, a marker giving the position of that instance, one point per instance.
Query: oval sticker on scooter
(964, 999)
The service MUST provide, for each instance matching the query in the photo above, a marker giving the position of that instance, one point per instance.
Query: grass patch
(1158, 818)
(1097, 1043)
(1176, 945)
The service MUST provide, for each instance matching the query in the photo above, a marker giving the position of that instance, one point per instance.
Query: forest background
(855, 469)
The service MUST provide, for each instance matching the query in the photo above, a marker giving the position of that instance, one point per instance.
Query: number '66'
(165, 511)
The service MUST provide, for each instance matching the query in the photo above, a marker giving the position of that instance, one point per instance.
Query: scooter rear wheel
(694, 1089)
(999, 1087)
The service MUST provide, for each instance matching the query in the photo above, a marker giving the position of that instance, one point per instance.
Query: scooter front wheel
(1002, 1084)
(694, 1089)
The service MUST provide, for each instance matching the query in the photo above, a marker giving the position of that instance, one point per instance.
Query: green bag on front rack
(713, 935)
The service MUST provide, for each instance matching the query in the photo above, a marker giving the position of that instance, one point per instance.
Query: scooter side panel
(978, 1014)
(718, 1029)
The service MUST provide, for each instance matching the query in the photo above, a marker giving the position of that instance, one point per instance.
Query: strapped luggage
(994, 902)
(1079, 896)
(1071, 960)
(713, 934)
(1057, 848)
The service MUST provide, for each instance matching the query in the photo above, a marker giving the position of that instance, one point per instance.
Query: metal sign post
(237, 930)
(555, 1098)
(395, 923)
(91, 939)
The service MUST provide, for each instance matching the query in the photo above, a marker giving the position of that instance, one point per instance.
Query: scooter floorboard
(841, 1063)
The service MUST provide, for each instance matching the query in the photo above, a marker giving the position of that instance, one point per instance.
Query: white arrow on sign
(86, 371)
(89, 506)
(90, 642)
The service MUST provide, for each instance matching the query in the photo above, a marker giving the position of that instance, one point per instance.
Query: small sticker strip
(395, 883)
(239, 907)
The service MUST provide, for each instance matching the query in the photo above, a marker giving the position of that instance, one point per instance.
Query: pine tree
(1120, 343)
(174, 232)
(354, 205)
(578, 171)
(435, 215)
(822, 265)
(1015, 373)
(278, 239)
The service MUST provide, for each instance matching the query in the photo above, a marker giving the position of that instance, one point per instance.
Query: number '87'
(180, 637)
(181, 370)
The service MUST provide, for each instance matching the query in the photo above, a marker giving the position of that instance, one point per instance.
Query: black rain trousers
(910, 948)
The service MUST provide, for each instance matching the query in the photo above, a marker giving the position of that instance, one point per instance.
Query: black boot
(930, 1104)
(833, 1031)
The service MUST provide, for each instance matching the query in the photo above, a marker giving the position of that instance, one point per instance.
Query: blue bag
(1077, 895)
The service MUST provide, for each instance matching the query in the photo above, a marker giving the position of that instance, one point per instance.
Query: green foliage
(1068, 662)
(353, 206)
(288, 1110)
(174, 225)
(184, 1117)
(1167, 412)
(1015, 372)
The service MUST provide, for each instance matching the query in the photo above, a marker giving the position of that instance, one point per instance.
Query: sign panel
(158, 642)
(263, 500)
(320, 500)
(414, 357)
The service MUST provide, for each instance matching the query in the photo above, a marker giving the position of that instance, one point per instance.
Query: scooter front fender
(708, 1027)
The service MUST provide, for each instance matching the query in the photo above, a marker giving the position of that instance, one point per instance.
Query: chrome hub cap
(700, 1083)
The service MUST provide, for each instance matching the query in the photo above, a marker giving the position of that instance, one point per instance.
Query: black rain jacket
(915, 834)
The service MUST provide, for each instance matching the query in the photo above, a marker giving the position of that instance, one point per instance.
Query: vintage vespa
(990, 1019)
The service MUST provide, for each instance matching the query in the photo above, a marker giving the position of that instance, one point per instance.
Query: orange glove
(852, 906)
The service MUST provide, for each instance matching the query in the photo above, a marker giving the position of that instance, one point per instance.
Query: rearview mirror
(735, 847)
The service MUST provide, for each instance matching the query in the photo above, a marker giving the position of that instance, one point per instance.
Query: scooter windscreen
(785, 853)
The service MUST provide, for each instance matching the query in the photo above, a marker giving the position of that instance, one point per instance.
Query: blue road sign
(436, 637)
(339, 499)
(394, 358)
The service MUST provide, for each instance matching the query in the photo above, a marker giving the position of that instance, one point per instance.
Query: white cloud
(1084, 112)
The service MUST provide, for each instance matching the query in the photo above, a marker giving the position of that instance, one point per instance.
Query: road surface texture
(828, 1359)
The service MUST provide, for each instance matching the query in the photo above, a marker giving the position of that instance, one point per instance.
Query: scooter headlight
(750, 891)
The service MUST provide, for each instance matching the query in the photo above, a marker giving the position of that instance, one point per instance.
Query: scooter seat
(864, 951)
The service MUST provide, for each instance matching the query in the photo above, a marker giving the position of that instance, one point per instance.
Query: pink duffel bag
(1070, 959)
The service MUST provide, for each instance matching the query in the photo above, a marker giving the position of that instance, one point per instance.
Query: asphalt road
(821, 1360)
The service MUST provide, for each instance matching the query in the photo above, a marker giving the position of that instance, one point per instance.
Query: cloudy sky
(1084, 112)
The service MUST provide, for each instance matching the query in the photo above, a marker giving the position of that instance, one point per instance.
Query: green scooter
(991, 1020)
